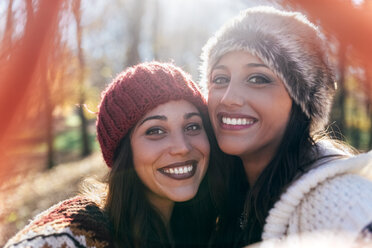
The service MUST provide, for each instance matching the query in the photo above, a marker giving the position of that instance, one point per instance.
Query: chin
(231, 148)
(183, 196)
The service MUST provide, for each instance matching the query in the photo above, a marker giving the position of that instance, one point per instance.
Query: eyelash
(193, 127)
(264, 79)
(217, 78)
(154, 131)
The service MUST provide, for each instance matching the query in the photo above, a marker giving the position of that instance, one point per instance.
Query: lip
(251, 121)
(172, 169)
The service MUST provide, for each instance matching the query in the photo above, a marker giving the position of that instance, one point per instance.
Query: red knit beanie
(136, 91)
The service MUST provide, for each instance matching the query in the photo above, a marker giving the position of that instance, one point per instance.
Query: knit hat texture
(136, 91)
(290, 45)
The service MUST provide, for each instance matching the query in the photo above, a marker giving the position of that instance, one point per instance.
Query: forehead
(172, 108)
(237, 57)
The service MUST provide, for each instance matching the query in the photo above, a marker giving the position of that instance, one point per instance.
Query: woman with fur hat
(270, 89)
(154, 133)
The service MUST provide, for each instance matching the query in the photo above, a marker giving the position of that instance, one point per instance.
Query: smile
(180, 171)
(236, 121)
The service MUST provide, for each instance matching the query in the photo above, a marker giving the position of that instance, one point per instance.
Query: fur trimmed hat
(136, 91)
(290, 45)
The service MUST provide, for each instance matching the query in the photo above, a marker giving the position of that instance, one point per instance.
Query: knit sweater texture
(76, 222)
(334, 197)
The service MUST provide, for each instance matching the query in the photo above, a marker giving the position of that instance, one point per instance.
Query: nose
(232, 96)
(180, 144)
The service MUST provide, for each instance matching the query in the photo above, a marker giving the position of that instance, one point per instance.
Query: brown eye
(155, 131)
(259, 79)
(193, 128)
(220, 80)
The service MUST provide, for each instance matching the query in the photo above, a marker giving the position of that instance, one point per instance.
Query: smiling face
(248, 105)
(171, 151)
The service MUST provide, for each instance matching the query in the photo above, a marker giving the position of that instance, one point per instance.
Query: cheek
(214, 98)
(135, 154)
(284, 105)
(280, 111)
(204, 146)
(213, 101)
(144, 155)
(201, 144)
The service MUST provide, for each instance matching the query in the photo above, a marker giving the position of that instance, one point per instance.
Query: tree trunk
(86, 148)
(135, 21)
(370, 126)
(155, 30)
(339, 106)
(368, 90)
(26, 56)
(48, 121)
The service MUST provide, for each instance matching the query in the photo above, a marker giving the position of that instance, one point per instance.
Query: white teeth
(237, 121)
(179, 170)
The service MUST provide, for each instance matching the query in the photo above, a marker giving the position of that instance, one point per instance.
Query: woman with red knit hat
(154, 133)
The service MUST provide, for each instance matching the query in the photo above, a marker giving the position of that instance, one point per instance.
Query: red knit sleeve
(76, 222)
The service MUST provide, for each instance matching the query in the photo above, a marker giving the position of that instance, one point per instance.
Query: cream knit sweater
(333, 197)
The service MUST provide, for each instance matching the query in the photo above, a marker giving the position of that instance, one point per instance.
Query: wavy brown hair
(136, 223)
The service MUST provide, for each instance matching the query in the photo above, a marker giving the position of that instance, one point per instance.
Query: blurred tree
(350, 23)
(48, 113)
(134, 26)
(368, 89)
(47, 77)
(53, 90)
(86, 148)
(338, 111)
(155, 29)
(19, 67)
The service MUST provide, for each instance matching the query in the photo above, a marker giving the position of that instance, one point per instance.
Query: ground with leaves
(24, 196)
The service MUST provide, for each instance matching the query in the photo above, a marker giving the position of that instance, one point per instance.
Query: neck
(255, 162)
(253, 169)
(163, 205)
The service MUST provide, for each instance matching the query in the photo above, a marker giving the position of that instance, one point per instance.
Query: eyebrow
(154, 117)
(189, 115)
(164, 118)
(257, 65)
(247, 65)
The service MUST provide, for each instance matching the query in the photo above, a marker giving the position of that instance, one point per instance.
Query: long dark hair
(244, 211)
(295, 154)
(136, 223)
(247, 206)
(194, 221)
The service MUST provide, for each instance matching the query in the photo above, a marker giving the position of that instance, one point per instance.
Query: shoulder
(76, 222)
(317, 199)
(343, 202)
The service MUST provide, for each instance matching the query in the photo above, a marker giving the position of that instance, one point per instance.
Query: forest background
(57, 56)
